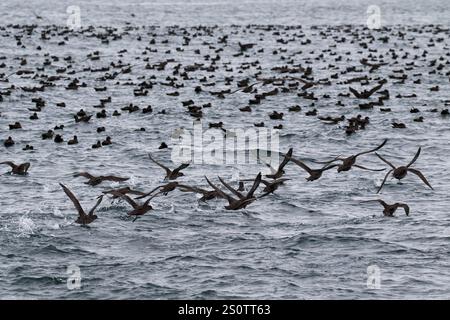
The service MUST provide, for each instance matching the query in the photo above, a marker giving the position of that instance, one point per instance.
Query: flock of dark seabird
(246, 77)
(240, 198)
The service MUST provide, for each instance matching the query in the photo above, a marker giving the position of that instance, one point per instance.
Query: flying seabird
(93, 180)
(314, 174)
(349, 162)
(126, 190)
(138, 210)
(401, 172)
(171, 174)
(83, 218)
(243, 200)
(279, 172)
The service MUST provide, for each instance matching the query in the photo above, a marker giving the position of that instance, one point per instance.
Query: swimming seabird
(365, 94)
(21, 169)
(8, 142)
(389, 209)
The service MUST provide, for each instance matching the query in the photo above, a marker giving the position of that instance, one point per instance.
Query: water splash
(26, 227)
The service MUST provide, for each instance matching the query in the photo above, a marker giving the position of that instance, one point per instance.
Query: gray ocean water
(311, 240)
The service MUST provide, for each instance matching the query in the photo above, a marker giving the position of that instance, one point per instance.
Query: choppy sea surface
(311, 240)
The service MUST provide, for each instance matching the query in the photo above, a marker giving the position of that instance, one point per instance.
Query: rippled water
(309, 240)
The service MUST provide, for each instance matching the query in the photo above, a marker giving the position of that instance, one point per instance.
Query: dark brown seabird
(164, 189)
(93, 180)
(279, 172)
(365, 94)
(125, 190)
(171, 174)
(138, 210)
(389, 209)
(243, 200)
(271, 186)
(349, 162)
(401, 172)
(21, 169)
(206, 194)
(83, 218)
(314, 174)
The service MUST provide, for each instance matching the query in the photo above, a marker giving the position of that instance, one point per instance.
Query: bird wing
(374, 89)
(355, 93)
(168, 171)
(135, 192)
(234, 191)
(128, 199)
(286, 159)
(186, 188)
(220, 192)
(364, 168)
(372, 150)
(302, 165)
(148, 200)
(405, 207)
(110, 191)
(75, 201)
(254, 186)
(84, 174)
(148, 193)
(384, 180)
(338, 158)
(245, 202)
(91, 212)
(264, 194)
(9, 163)
(272, 169)
(328, 167)
(384, 204)
(246, 88)
(385, 161)
(415, 158)
(421, 176)
(113, 178)
(181, 167)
